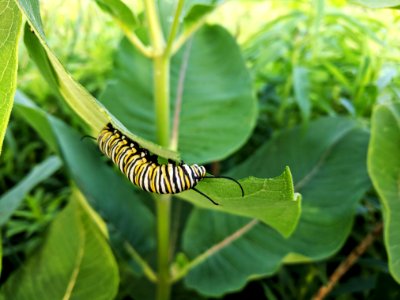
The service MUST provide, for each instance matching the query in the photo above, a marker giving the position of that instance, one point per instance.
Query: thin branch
(147, 270)
(133, 38)
(153, 22)
(179, 96)
(217, 247)
(185, 35)
(348, 262)
(174, 27)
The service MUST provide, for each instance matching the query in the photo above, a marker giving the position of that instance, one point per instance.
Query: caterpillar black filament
(143, 169)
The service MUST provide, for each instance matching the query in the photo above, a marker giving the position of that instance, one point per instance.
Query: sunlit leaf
(377, 3)
(10, 25)
(384, 169)
(264, 199)
(120, 11)
(301, 91)
(84, 104)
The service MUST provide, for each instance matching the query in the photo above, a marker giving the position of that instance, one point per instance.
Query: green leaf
(384, 170)
(10, 25)
(328, 163)
(327, 160)
(192, 13)
(301, 91)
(1, 255)
(11, 200)
(226, 251)
(120, 11)
(112, 195)
(264, 199)
(196, 13)
(84, 104)
(218, 109)
(75, 262)
(377, 3)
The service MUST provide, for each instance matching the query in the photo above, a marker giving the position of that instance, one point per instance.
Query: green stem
(161, 69)
(153, 20)
(132, 37)
(163, 205)
(161, 97)
(174, 27)
(148, 271)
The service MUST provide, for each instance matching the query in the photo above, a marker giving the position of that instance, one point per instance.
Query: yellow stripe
(140, 168)
(182, 178)
(151, 175)
(153, 181)
(166, 179)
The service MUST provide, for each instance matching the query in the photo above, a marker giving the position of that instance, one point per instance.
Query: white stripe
(171, 177)
(191, 179)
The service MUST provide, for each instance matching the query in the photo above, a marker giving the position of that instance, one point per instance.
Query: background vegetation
(325, 77)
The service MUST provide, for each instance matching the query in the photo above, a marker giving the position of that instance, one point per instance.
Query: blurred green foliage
(308, 59)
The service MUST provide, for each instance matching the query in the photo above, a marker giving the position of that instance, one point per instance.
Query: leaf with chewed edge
(266, 200)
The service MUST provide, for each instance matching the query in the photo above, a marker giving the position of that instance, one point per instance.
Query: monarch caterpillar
(143, 169)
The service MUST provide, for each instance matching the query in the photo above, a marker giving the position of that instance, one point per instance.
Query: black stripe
(188, 175)
(174, 170)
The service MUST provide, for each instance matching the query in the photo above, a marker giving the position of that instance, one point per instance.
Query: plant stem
(132, 37)
(161, 97)
(153, 20)
(348, 262)
(163, 204)
(174, 27)
(161, 69)
(148, 271)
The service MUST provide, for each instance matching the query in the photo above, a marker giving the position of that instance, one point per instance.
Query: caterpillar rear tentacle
(143, 169)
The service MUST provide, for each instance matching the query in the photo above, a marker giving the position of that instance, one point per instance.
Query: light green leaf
(218, 109)
(301, 91)
(328, 163)
(10, 26)
(120, 205)
(264, 199)
(11, 200)
(384, 170)
(377, 3)
(120, 11)
(195, 14)
(84, 104)
(75, 262)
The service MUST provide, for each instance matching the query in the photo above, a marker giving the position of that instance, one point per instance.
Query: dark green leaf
(11, 200)
(218, 110)
(110, 194)
(328, 162)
